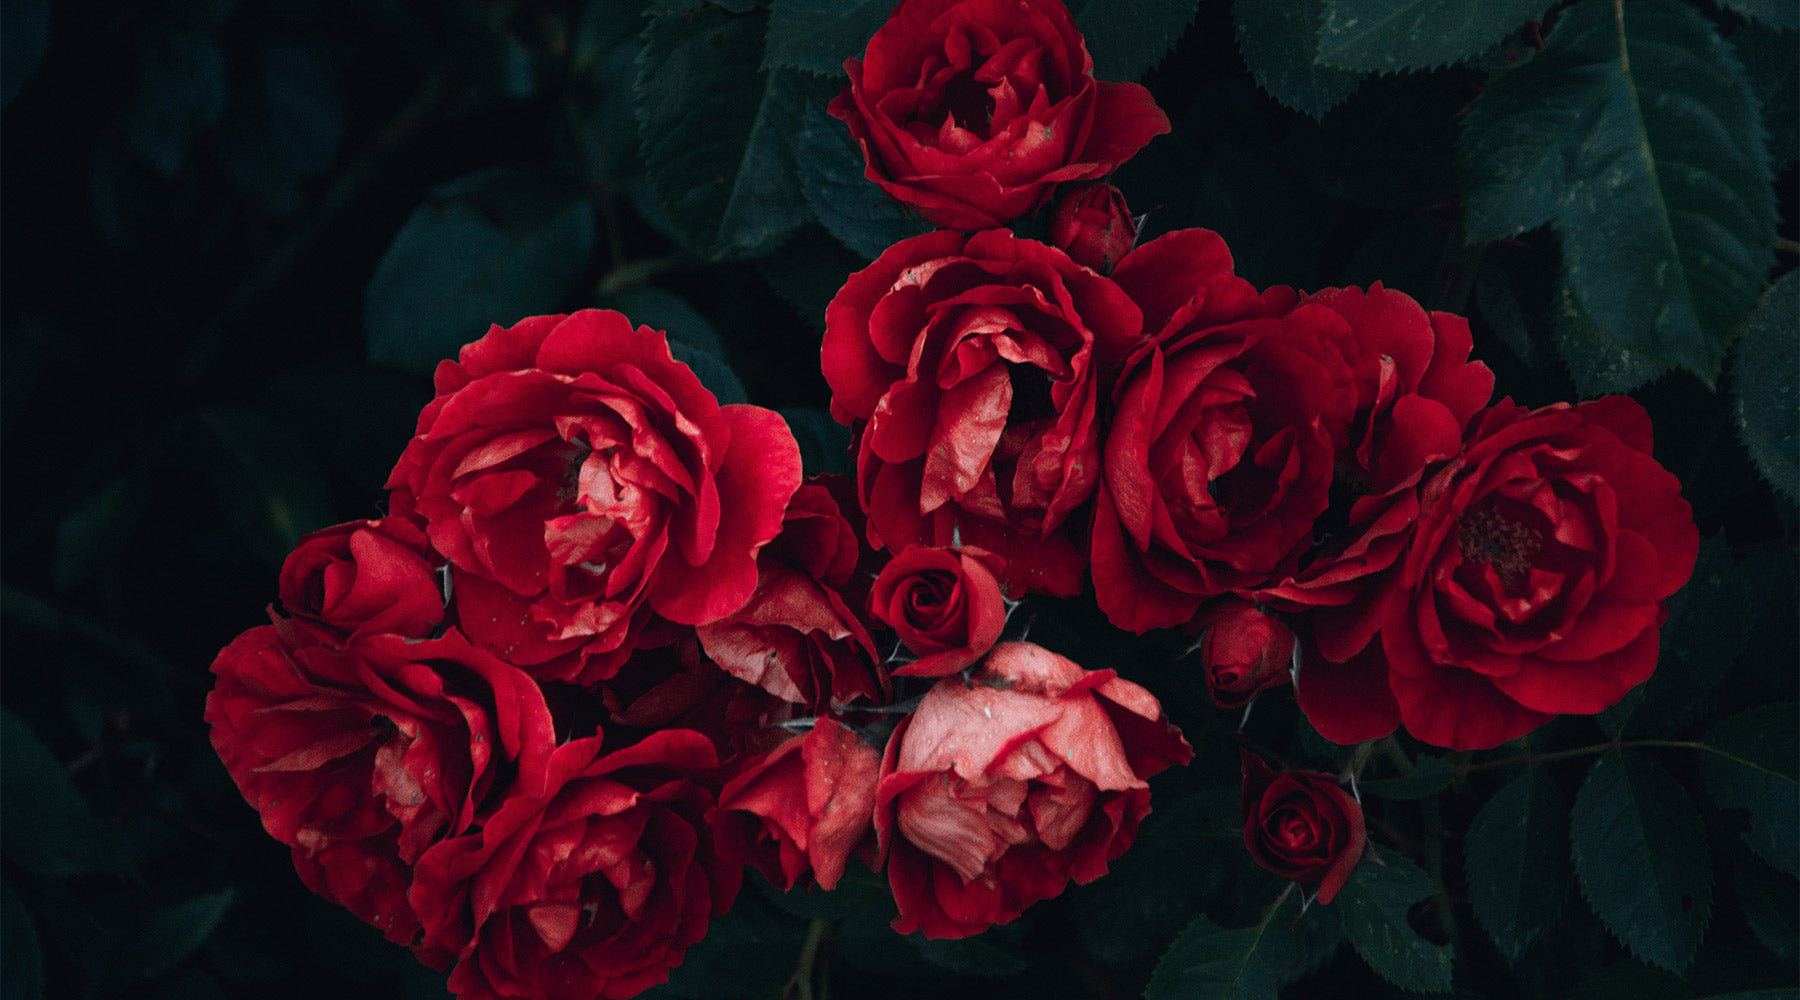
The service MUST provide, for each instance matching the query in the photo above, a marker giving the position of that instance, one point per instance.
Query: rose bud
(945, 604)
(802, 807)
(1243, 650)
(1092, 224)
(1302, 825)
(366, 576)
(995, 793)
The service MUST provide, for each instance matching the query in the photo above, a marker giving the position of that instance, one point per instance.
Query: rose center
(1487, 536)
(969, 103)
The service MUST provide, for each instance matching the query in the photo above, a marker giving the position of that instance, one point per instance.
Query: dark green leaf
(1752, 766)
(1208, 962)
(1641, 857)
(1390, 145)
(1640, 138)
(180, 91)
(1280, 43)
(818, 35)
(1128, 37)
(663, 310)
(1405, 253)
(858, 889)
(194, 984)
(1373, 906)
(490, 248)
(1383, 36)
(1517, 861)
(1499, 305)
(350, 947)
(21, 956)
(163, 938)
(1629, 979)
(1771, 62)
(1770, 904)
(45, 823)
(714, 127)
(1596, 362)
(1765, 371)
(750, 949)
(286, 127)
(853, 208)
(992, 954)
(95, 531)
(266, 478)
(808, 271)
(714, 374)
(1771, 577)
(824, 443)
(1430, 775)
(356, 418)
(1780, 13)
(24, 39)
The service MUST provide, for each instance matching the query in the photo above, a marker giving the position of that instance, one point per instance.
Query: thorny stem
(1529, 758)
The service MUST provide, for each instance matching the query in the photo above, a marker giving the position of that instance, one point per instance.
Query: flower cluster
(608, 648)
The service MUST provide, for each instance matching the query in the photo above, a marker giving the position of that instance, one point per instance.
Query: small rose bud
(1093, 226)
(1302, 825)
(1243, 650)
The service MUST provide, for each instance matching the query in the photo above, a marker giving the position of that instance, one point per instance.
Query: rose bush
(968, 368)
(994, 796)
(1302, 825)
(945, 604)
(972, 111)
(578, 478)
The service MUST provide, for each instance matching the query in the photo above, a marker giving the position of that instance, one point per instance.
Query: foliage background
(237, 236)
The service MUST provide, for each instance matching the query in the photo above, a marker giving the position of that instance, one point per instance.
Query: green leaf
(714, 127)
(991, 954)
(492, 247)
(45, 823)
(849, 205)
(714, 374)
(1764, 372)
(162, 938)
(266, 478)
(1208, 962)
(824, 443)
(663, 310)
(93, 534)
(818, 35)
(1384, 36)
(1771, 62)
(1596, 362)
(1430, 775)
(1779, 13)
(1640, 138)
(1641, 857)
(24, 41)
(1770, 905)
(1128, 37)
(808, 271)
(1373, 906)
(1279, 40)
(1752, 766)
(1630, 979)
(21, 955)
(1390, 145)
(1517, 865)
(750, 949)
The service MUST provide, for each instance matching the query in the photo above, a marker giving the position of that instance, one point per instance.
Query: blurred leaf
(180, 90)
(1641, 857)
(1770, 904)
(26, 348)
(714, 374)
(603, 68)
(21, 955)
(992, 954)
(1185, 850)
(1404, 253)
(46, 825)
(1771, 578)
(1771, 61)
(286, 127)
(1280, 43)
(357, 419)
(752, 948)
(1126, 38)
(96, 687)
(1517, 862)
(1710, 619)
(1596, 362)
(162, 938)
(1430, 775)
(1498, 303)
(858, 889)
(853, 208)
(1642, 141)
(194, 984)
(95, 531)
(818, 35)
(1752, 767)
(1384, 36)
(350, 947)
(1630, 979)
(824, 443)
(1208, 962)
(492, 247)
(808, 271)
(1765, 370)
(715, 128)
(663, 310)
(1780, 13)
(24, 39)
(267, 480)
(1373, 906)
(1392, 144)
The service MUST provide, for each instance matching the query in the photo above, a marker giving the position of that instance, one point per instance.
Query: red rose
(797, 636)
(801, 807)
(366, 576)
(1244, 650)
(1537, 574)
(362, 757)
(945, 604)
(968, 367)
(993, 796)
(1225, 431)
(972, 111)
(1302, 825)
(594, 886)
(578, 477)
(1092, 224)
(673, 685)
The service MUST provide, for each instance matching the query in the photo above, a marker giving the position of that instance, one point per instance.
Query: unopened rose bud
(1093, 226)
(1244, 650)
